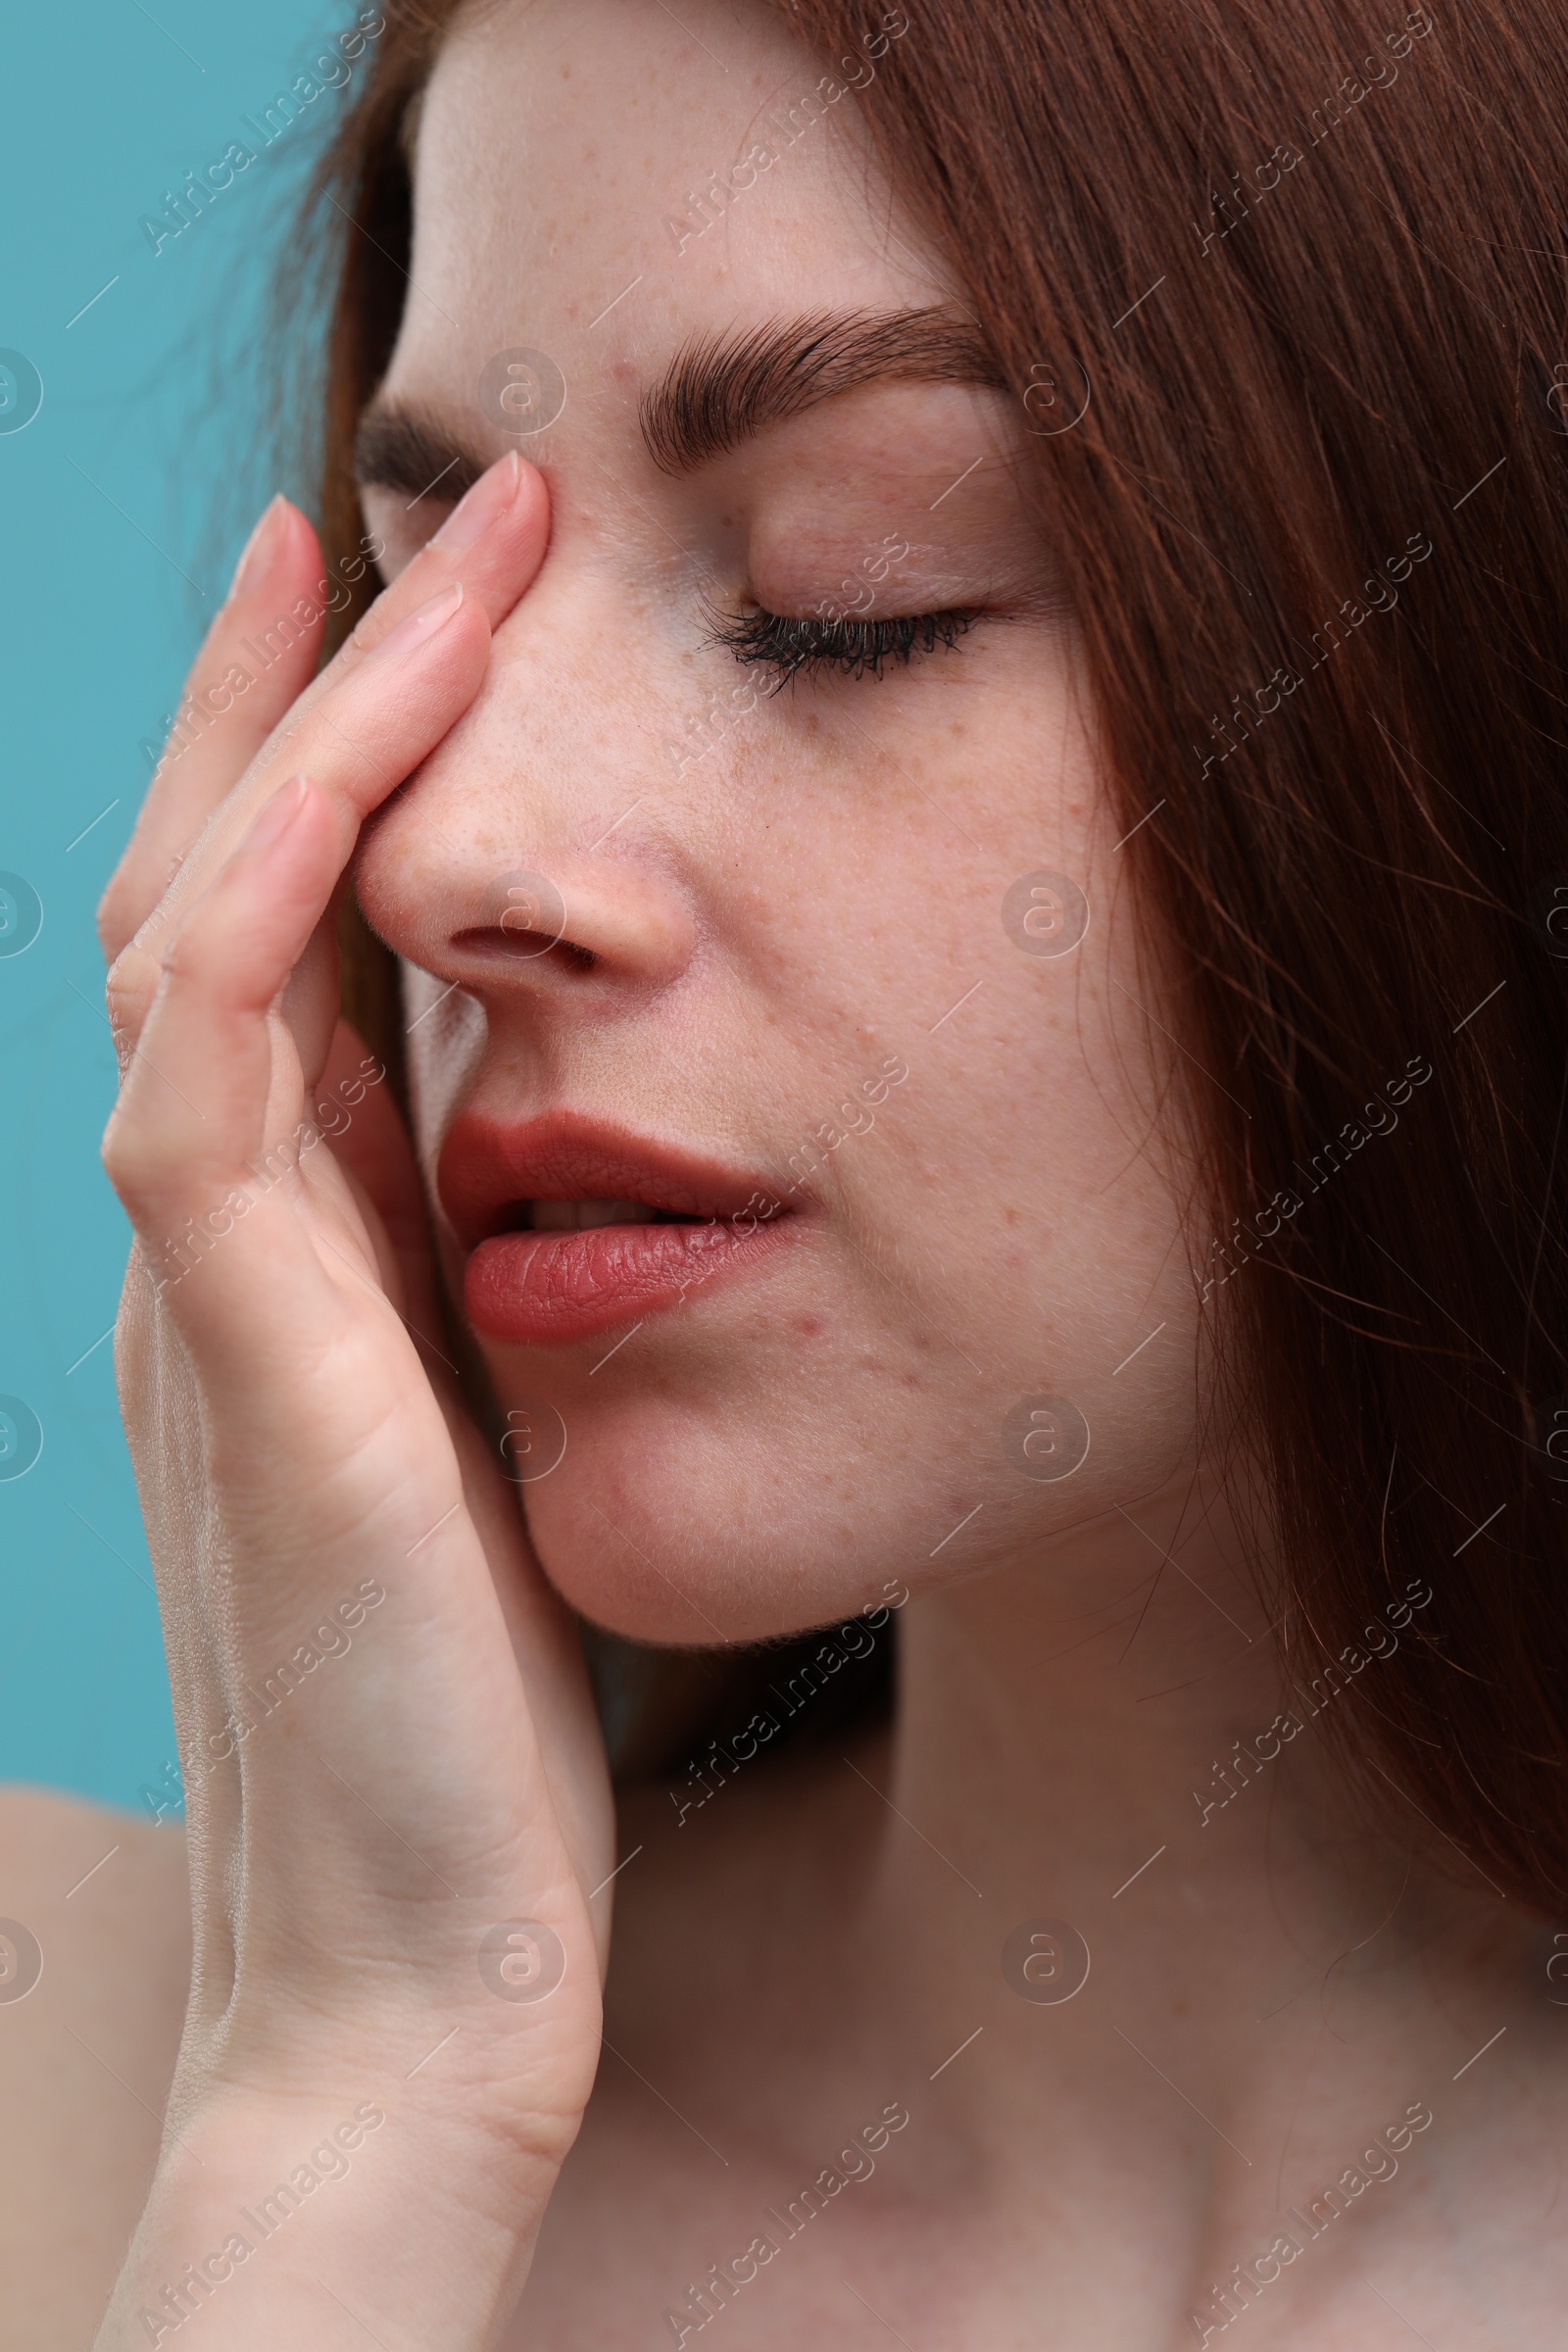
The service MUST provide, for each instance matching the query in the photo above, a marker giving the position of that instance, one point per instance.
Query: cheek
(981, 1259)
(992, 1249)
(1040, 1203)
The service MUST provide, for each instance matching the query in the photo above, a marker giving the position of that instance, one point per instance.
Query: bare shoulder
(94, 1956)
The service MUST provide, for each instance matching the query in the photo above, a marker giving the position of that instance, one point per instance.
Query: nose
(571, 917)
(527, 864)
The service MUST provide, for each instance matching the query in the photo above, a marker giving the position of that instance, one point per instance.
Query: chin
(691, 1530)
(770, 1507)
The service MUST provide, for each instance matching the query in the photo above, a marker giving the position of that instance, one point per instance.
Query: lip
(544, 1288)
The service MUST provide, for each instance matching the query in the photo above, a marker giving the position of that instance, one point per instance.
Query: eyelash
(851, 648)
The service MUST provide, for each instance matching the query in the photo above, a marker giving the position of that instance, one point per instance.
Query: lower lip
(538, 1289)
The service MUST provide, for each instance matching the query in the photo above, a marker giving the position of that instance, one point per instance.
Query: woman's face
(812, 1177)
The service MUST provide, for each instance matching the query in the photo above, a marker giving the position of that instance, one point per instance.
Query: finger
(496, 529)
(370, 1142)
(221, 977)
(356, 1112)
(490, 547)
(258, 657)
(261, 654)
(357, 742)
(493, 542)
(200, 1100)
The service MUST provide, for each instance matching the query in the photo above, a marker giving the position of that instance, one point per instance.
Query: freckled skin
(880, 917)
(845, 851)
(814, 900)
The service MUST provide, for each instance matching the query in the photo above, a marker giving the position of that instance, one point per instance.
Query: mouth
(573, 1228)
(584, 1217)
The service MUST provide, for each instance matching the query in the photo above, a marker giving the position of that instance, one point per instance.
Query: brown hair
(1304, 265)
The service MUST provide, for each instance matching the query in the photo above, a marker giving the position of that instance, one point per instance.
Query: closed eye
(854, 648)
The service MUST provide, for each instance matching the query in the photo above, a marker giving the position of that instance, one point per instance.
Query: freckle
(1012, 1216)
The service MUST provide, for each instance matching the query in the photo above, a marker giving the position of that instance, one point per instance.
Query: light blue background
(128, 497)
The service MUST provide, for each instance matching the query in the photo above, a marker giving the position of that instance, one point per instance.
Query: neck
(1116, 1684)
(1102, 1761)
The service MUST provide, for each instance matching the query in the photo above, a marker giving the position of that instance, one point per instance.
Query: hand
(390, 1748)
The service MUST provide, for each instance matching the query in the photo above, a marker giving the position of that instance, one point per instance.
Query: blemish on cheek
(808, 1326)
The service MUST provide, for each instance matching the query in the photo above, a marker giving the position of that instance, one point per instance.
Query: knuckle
(111, 923)
(122, 908)
(133, 1161)
(183, 960)
(126, 993)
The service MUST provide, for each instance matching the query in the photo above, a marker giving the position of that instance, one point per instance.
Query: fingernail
(259, 550)
(419, 626)
(492, 494)
(277, 814)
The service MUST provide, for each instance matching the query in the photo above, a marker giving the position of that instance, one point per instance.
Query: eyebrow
(399, 446)
(718, 391)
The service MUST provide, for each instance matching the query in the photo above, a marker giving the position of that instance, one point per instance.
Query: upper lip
(489, 1167)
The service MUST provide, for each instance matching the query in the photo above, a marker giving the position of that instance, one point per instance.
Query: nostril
(508, 942)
